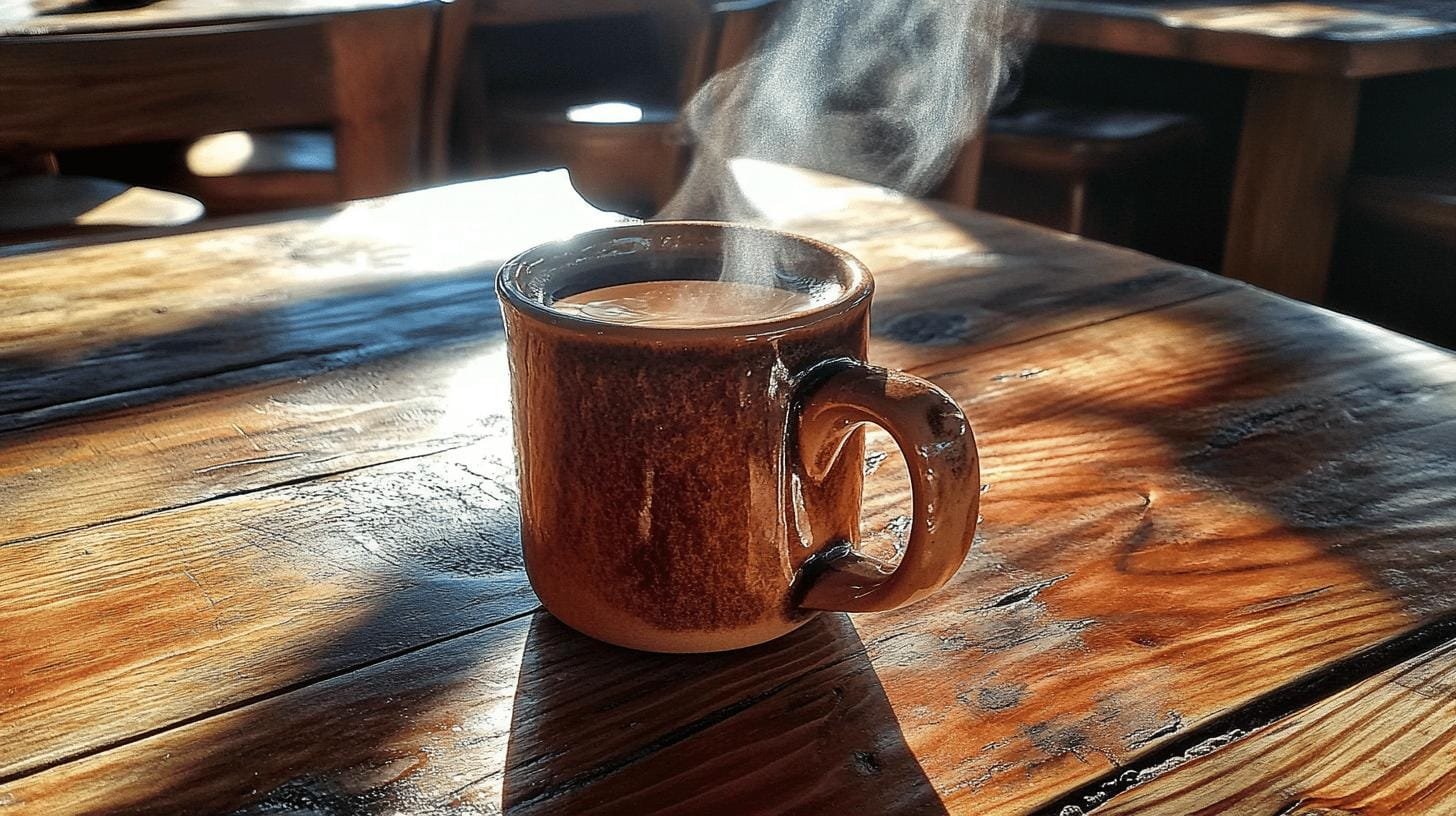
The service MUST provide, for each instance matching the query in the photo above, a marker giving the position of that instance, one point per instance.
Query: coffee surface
(684, 303)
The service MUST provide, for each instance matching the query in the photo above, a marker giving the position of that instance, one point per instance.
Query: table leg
(1293, 154)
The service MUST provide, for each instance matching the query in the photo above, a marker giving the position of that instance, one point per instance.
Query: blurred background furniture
(281, 169)
(323, 102)
(603, 99)
(36, 204)
(1396, 255)
(1212, 508)
(1109, 174)
(1304, 64)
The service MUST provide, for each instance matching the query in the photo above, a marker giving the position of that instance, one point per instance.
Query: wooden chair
(361, 75)
(251, 171)
(619, 135)
(1086, 171)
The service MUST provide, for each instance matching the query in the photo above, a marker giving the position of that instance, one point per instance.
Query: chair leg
(452, 34)
(962, 184)
(380, 71)
(1077, 206)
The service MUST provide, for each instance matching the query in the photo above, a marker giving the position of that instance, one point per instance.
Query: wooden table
(1306, 61)
(260, 545)
(380, 75)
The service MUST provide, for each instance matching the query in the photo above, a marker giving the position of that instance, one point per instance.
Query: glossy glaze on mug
(659, 489)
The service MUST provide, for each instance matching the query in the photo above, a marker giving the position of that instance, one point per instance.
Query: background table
(1306, 62)
(29, 17)
(259, 545)
(378, 75)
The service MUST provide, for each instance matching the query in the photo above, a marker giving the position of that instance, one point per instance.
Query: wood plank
(1294, 149)
(1333, 39)
(1214, 461)
(1246, 568)
(82, 323)
(1385, 745)
(361, 374)
(203, 609)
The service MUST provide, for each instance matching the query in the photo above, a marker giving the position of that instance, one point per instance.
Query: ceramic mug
(694, 489)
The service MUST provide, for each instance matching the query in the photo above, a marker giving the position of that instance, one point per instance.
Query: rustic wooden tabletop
(259, 546)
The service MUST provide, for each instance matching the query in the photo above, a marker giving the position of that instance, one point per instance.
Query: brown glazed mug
(694, 489)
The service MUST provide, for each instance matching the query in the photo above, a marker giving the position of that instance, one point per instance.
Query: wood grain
(236, 298)
(1341, 38)
(384, 369)
(1017, 682)
(1383, 746)
(1197, 495)
(209, 607)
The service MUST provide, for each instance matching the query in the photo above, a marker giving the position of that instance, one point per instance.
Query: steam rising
(884, 91)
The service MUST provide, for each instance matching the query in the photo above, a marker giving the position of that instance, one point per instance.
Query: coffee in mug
(690, 449)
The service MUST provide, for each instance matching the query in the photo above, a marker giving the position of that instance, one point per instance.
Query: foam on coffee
(685, 303)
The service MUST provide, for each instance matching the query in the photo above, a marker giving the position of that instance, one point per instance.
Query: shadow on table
(168, 357)
(798, 725)
(801, 725)
(358, 709)
(804, 723)
(1339, 429)
(1336, 433)
(1352, 458)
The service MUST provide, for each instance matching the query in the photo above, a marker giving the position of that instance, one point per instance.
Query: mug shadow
(791, 726)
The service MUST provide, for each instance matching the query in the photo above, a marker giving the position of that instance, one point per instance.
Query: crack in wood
(255, 460)
(1257, 714)
(258, 698)
(1024, 593)
(231, 494)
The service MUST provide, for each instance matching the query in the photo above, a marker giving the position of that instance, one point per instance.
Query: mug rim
(855, 279)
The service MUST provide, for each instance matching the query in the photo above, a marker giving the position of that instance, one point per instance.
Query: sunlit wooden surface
(260, 552)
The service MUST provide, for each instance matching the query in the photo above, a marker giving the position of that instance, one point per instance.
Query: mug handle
(945, 481)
